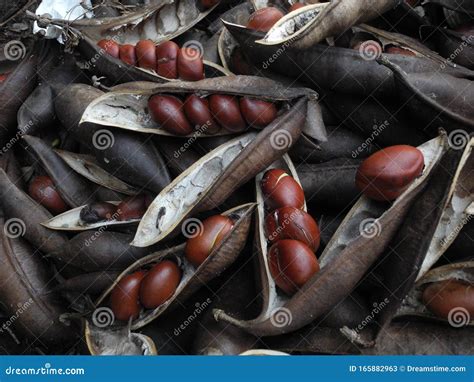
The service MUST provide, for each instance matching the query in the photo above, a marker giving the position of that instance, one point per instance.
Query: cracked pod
(356, 245)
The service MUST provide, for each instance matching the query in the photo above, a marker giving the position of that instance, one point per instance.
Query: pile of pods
(244, 177)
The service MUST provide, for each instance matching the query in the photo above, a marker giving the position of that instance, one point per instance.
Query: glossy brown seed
(167, 59)
(292, 264)
(450, 297)
(110, 47)
(212, 231)
(398, 50)
(199, 114)
(296, 6)
(240, 64)
(168, 111)
(281, 190)
(388, 172)
(145, 51)
(292, 223)
(98, 211)
(133, 207)
(125, 297)
(43, 190)
(190, 64)
(264, 18)
(127, 54)
(226, 111)
(258, 113)
(206, 4)
(159, 284)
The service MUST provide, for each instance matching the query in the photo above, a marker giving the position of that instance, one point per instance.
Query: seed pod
(257, 113)
(146, 54)
(90, 284)
(190, 65)
(127, 54)
(42, 190)
(167, 59)
(281, 190)
(292, 223)
(386, 174)
(199, 114)
(110, 47)
(264, 18)
(226, 111)
(159, 284)
(169, 113)
(399, 50)
(124, 298)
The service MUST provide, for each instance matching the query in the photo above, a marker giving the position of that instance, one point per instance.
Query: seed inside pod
(292, 223)
(159, 284)
(96, 212)
(42, 190)
(127, 54)
(446, 297)
(296, 6)
(124, 298)
(199, 114)
(256, 112)
(292, 264)
(133, 207)
(387, 173)
(392, 49)
(281, 190)
(167, 56)
(240, 64)
(146, 54)
(226, 111)
(264, 18)
(110, 47)
(190, 64)
(211, 233)
(168, 111)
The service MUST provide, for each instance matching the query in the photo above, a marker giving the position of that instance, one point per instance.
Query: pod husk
(435, 94)
(73, 188)
(177, 159)
(312, 24)
(333, 68)
(346, 258)
(101, 341)
(413, 305)
(129, 110)
(86, 166)
(17, 204)
(221, 257)
(92, 284)
(27, 283)
(211, 180)
(130, 157)
(71, 221)
(462, 6)
(100, 250)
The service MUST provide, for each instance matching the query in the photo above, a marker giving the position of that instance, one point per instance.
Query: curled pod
(16, 204)
(27, 289)
(74, 189)
(103, 341)
(443, 294)
(128, 156)
(357, 244)
(93, 251)
(127, 108)
(212, 179)
(146, 54)
(221, 257)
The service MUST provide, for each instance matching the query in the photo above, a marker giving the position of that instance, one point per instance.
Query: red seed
(190, 64)
(258, 113)
(199, 114)
(263, 19)
(226, 111)
(110, 47)
(124, 299)
(168, 111)
(146, 54)
(128, 55)
(43, 190)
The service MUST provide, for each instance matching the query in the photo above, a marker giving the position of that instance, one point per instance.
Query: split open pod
(191, 277)
(131, 110)
(356, 245)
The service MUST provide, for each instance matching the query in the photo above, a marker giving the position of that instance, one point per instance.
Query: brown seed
(124, 299)
(146, 54)
(258, 113)
(127, 54)
(281, 190)
(168, 111)
(167, 56)
(226, 111)
(199, 114)
(263, 19)
(110, 47)
(43, 190)
(190, 64)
